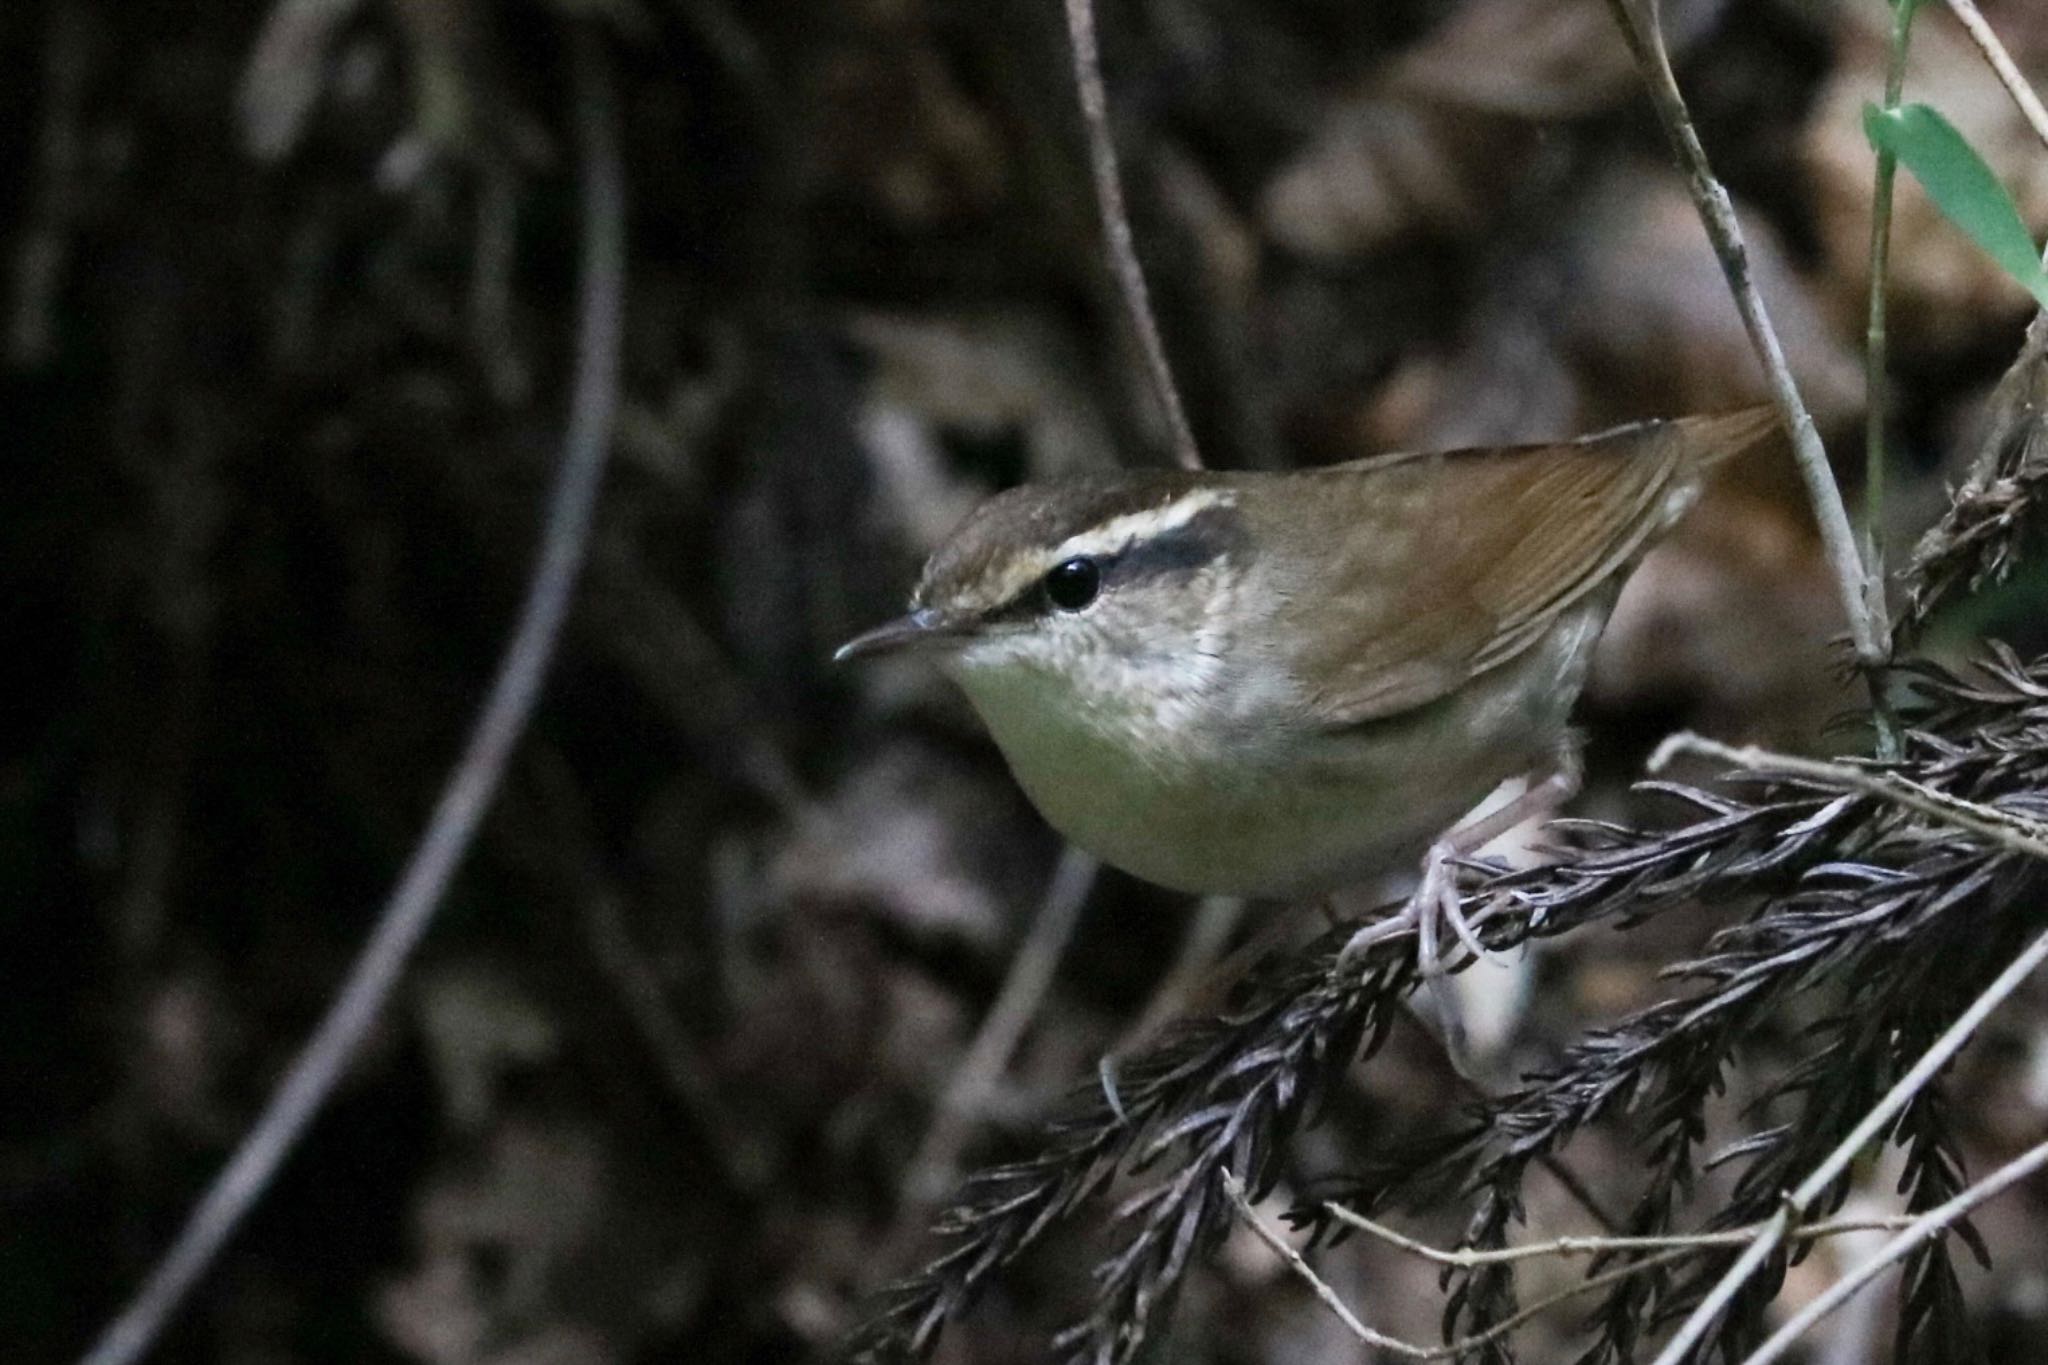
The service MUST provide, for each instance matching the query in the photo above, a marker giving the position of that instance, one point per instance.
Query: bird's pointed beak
(921, 628)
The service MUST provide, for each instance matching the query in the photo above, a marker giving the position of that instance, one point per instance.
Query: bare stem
(1468, 1257)
(1665, 1252)
(932, 1169)
(1929, 1225)
(475, 777)
(1773, 1233)
(2008, 72)
(1329, 1297)
(2007, 829)
(1116, 229)
(1862, 595)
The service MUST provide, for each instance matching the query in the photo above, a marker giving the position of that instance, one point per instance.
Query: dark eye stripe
(1208, 535)
(1203, 538)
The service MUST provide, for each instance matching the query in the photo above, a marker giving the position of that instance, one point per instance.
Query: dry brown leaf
(1380, 167)
(532, 1205)
(1424, 143)
(913, 839)
(1536, 59)
(1511, 383)
(982, 375)
(938, 159)
(1647, 299)
(1623, 313)
(478, 1024)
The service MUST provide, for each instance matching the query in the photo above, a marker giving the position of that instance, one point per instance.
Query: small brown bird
(1279, 684)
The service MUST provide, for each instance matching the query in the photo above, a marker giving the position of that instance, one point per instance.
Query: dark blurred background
(287, 295)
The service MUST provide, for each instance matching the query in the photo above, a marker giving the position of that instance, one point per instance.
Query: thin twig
(1596, 1245)
(932, 1170)
(1468, 1257)
(1927, 1226)
(1862, 597)
(1664, 1252)
(2005, 828)
(1116, 228)
(475, 778)
(1615, 1275)
(2008, 72)
(1330, 1298)
(1801, 1199)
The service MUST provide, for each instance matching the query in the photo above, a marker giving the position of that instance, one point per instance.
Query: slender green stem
(1877, 381)
(1876, 361)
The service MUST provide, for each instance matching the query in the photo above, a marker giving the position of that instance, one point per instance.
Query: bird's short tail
(1712, 438)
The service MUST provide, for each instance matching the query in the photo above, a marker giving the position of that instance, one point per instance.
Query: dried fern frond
(1980, 537)
(1217, 1094)
(1851, 890)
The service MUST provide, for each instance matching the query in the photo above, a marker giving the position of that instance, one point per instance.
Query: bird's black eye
(1072, 583)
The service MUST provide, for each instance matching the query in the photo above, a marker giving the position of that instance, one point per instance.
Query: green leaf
(1961, 186)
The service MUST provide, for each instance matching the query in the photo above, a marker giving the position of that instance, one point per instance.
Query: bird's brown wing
(1479, 551)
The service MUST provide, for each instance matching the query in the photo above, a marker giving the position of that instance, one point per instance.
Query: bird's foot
(1434, 906)
(1437, 904)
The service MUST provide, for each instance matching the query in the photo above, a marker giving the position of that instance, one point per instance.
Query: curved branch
(2002, 65)
(1116, 228)
(476, 776)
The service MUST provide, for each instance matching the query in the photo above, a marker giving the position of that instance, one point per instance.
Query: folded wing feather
(1453, 588)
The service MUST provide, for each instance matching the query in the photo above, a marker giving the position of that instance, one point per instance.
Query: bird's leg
(1436, 897)
(1434, 903)
(1559, 784)
(1541, 798)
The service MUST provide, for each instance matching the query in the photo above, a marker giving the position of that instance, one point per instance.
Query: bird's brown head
(1045, 574)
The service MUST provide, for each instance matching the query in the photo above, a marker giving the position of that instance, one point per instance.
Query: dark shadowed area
(715, 1016)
